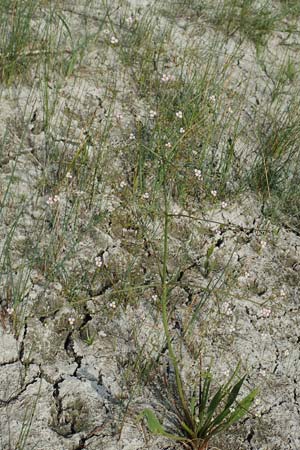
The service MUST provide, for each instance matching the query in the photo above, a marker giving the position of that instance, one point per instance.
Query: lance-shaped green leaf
(209, 423)
(235, 416)
(156, 427)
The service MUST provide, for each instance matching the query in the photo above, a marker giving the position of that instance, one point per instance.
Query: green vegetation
(122, 121)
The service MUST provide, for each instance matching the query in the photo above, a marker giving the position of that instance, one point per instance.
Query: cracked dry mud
(71, 385)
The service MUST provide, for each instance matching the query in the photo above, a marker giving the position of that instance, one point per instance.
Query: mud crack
(69, 348)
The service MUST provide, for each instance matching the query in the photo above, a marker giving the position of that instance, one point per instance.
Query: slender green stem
(164, 305)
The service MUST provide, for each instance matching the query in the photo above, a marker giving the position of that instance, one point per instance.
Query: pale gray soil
(58, 392)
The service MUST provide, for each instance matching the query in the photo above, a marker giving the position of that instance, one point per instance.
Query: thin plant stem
(164, 304)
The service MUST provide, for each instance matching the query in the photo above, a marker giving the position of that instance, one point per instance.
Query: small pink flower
(114, 40)
(198, 174)
(152, 114)
(130, 20)
(266, 312)
(51, 200)
(263, 245)
(98, 261)
(166, 78)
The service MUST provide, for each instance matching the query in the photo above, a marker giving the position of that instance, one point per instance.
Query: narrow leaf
(234, 392)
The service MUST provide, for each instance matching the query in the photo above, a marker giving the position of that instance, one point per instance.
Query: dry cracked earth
(76, 347)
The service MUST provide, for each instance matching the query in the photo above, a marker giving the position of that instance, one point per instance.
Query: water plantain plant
(206, 415)
(202, 416)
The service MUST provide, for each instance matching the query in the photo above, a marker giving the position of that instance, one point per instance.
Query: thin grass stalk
(164, 304)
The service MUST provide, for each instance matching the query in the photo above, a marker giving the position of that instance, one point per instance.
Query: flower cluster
(114, 40)
(52, 200)
(152, 114)
(198, 174)
(266, 312)
(98, 261)
(166, 78)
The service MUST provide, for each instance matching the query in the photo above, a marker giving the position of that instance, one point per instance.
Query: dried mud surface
(57, 391)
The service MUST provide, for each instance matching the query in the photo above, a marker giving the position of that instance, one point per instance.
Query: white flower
(119, 116)
(212, 99)
(102, 334)
(130, 20)
(224, 205)
(263, 244)
(112, 305)
(69, 175)
(132, 136)
(282, 293)
(114, 40)
(198, 173)
(146, 196)
(179, 114)
(154, 297)
(123, 184)
(166, 78)
(213, 193)
(266, 312)
(182, 130)
(98, 261)
(152, 114)
(52, 200)
(71, 321)
(10, 311)
(227, 309)
(168, 145)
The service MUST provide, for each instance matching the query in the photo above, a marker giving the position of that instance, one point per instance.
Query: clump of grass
(290, 8)
(251, 21)
(274, 173)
